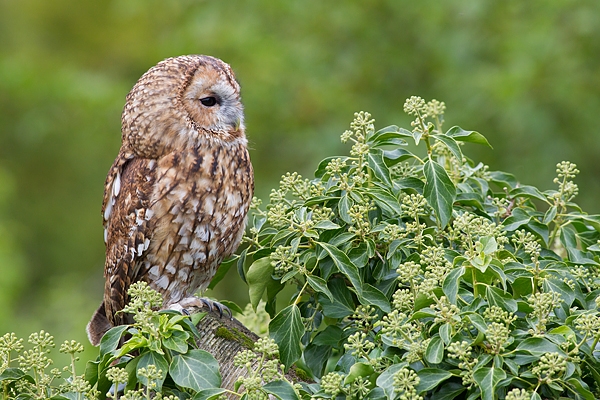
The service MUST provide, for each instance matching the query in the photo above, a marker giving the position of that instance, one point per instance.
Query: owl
(177, 195)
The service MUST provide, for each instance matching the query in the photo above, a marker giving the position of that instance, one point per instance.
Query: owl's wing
(127, 228)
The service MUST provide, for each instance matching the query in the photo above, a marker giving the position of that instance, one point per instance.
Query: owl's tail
(98, 325)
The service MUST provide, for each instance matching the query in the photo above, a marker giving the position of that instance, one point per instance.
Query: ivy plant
(418, 273)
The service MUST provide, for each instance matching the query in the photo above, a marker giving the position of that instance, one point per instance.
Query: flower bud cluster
(550, 367)
(543, 304)
(462, 352)
(359, 345)
(405, 383)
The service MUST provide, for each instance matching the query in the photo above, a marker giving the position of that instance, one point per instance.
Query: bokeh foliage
(524, 73)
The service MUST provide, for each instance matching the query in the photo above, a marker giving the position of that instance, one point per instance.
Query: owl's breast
(199, 206)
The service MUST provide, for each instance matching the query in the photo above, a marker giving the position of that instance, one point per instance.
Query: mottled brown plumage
(176, 197)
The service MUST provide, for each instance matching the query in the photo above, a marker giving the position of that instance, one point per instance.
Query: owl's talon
(200, 302)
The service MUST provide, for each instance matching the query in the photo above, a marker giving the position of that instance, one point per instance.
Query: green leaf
(457, 133)
(451, 283)
(209, 394)
(287, 329)
(384, 199)
(342, 304)
(377, 165)
(397, 155)
(110, 340)
(446, 332)
(343, 263)
(449, 391)
(452, 146)
(550, 215)
(487, 378)
(435, 351)
(343, 209)
(501, 299)
(528, 192)
(326, 225)
(516, 220)
(258, 277)
(358, 370)
(177, 341)
(386, 379)
(11, 374)
(158, 360)
(316, 357)
(197, 370)
(320, 285)
(431, 378)
(331, 336)
(321, 169)
(581, 388)
(539, 346)
(241, 262)
(371, 295)
(439, 191)
(478, 322)
(559, 286)
(281, 389)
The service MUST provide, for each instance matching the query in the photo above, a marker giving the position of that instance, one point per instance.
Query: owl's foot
(200, 302)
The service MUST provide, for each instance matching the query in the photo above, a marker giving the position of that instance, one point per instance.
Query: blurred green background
(524, 73)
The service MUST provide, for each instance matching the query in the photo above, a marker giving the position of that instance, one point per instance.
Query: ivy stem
(300, 293)
(474, 278)
(595, 343)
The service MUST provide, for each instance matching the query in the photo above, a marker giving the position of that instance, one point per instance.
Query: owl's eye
(208, 101)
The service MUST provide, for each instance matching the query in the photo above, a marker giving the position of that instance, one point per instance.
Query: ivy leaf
(177, 341)
(344, 264)
(439, 191)
(497, 297)
(258, 277)
(281, 389)
(528, 192)
(209, 394)
(158, 360)
(320, 285)
(431, 378)
(11, 374)
(451, 283)
(326, 225)
(343, 208)
(487, 379)
(371, 295)
(377, 165)
(287, 329)
(342, 304)
(386, 379)
(384, 199)
(357, 370)
(110, 340)
(451, 145)
(581, 388)
(435, 351)
(538, 346)
(197, 370)
(316, 357)
(457, 133)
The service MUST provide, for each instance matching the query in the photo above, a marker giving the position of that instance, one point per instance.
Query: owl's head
(183, 102)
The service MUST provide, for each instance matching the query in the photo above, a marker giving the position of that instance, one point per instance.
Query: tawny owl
(176, 197)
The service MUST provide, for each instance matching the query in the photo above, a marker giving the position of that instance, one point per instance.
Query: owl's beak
(238, 123)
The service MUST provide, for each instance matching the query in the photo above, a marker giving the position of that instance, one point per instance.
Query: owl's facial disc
(212, 101)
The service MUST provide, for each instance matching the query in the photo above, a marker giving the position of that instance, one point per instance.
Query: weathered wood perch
(224, 337)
